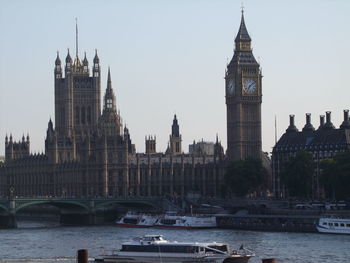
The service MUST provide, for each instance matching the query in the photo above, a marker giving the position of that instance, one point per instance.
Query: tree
(297, 175)
(335, 176)
(244, 177)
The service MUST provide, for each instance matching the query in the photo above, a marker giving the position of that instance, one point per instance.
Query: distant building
(324, 142)
(201, 147)
(89, 153)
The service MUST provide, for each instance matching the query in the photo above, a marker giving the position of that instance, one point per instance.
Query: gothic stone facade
(89, 153)
(325, 142)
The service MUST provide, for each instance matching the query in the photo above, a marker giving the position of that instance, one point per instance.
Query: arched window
(82, 115)
(77, 115)
(88, 115)
(62, 117)
(109, 103)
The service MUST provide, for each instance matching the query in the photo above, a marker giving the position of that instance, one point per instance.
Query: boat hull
(184, 227)
(322, 229)
(167, 259)
(133, 225)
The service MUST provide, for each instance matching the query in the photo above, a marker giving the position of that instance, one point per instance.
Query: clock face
(231, 86)
(249, 86)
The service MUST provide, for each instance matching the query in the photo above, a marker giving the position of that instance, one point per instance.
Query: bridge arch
(61, 204)
(3, 208)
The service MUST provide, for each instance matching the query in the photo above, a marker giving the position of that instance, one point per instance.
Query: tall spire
(85, 61)
(109, 81)
(175, 128)
(109, 99)
(242, 35)
(275, 129)
(76, 37)
(58, 60)
(68, 58)
(96, 59)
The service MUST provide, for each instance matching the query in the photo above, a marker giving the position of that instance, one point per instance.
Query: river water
(48, 242)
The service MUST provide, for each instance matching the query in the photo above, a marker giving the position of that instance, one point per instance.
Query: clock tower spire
(243, 100)
(242, 39)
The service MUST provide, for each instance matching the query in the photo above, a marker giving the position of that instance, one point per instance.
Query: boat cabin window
(336, 224)
(130, 220)
(168, 221)
(348, 225)
(161, 249)
(222, 248)
(152, 238)
(324, 223)
(342, 224)
(330, 224)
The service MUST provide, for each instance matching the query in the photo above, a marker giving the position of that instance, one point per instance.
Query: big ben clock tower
(243, 100)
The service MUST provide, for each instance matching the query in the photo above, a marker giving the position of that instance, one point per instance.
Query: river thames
(47, 242)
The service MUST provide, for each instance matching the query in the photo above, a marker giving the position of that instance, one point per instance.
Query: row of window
(336, 224)
(311, 147)
(315, 155)
(161, 249)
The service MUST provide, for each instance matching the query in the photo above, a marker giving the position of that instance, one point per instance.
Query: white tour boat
(186, 221)
(334, 225)
(131, 219)
(155, 249)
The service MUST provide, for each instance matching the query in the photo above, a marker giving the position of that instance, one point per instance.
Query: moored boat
(131, 219)
(154, 248)
(334, 225)
(186, 221)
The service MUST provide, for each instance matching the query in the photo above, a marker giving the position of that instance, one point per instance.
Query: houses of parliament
(88, 151)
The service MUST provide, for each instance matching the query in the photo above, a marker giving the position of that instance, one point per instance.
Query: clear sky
(169, 57)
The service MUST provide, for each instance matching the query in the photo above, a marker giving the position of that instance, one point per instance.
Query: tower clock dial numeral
(249, 86)
(231, 87)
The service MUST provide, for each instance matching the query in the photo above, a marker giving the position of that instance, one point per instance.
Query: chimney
(321, 121)
(328, 124)
(328, 116)
(308, 126)
(291, 127)
(291, 120)
(346, 122)
(308, 118)
(346, 115)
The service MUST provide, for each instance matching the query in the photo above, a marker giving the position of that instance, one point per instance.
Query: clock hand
(250, 86)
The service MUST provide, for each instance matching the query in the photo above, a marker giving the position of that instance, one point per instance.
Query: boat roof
(335, 219)
(158, 240)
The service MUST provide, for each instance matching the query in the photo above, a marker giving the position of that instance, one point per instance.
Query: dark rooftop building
(324, 142)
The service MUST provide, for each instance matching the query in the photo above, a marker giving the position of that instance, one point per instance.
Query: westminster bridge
(72, 210)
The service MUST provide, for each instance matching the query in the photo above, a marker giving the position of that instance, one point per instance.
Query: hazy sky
(169, 57)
